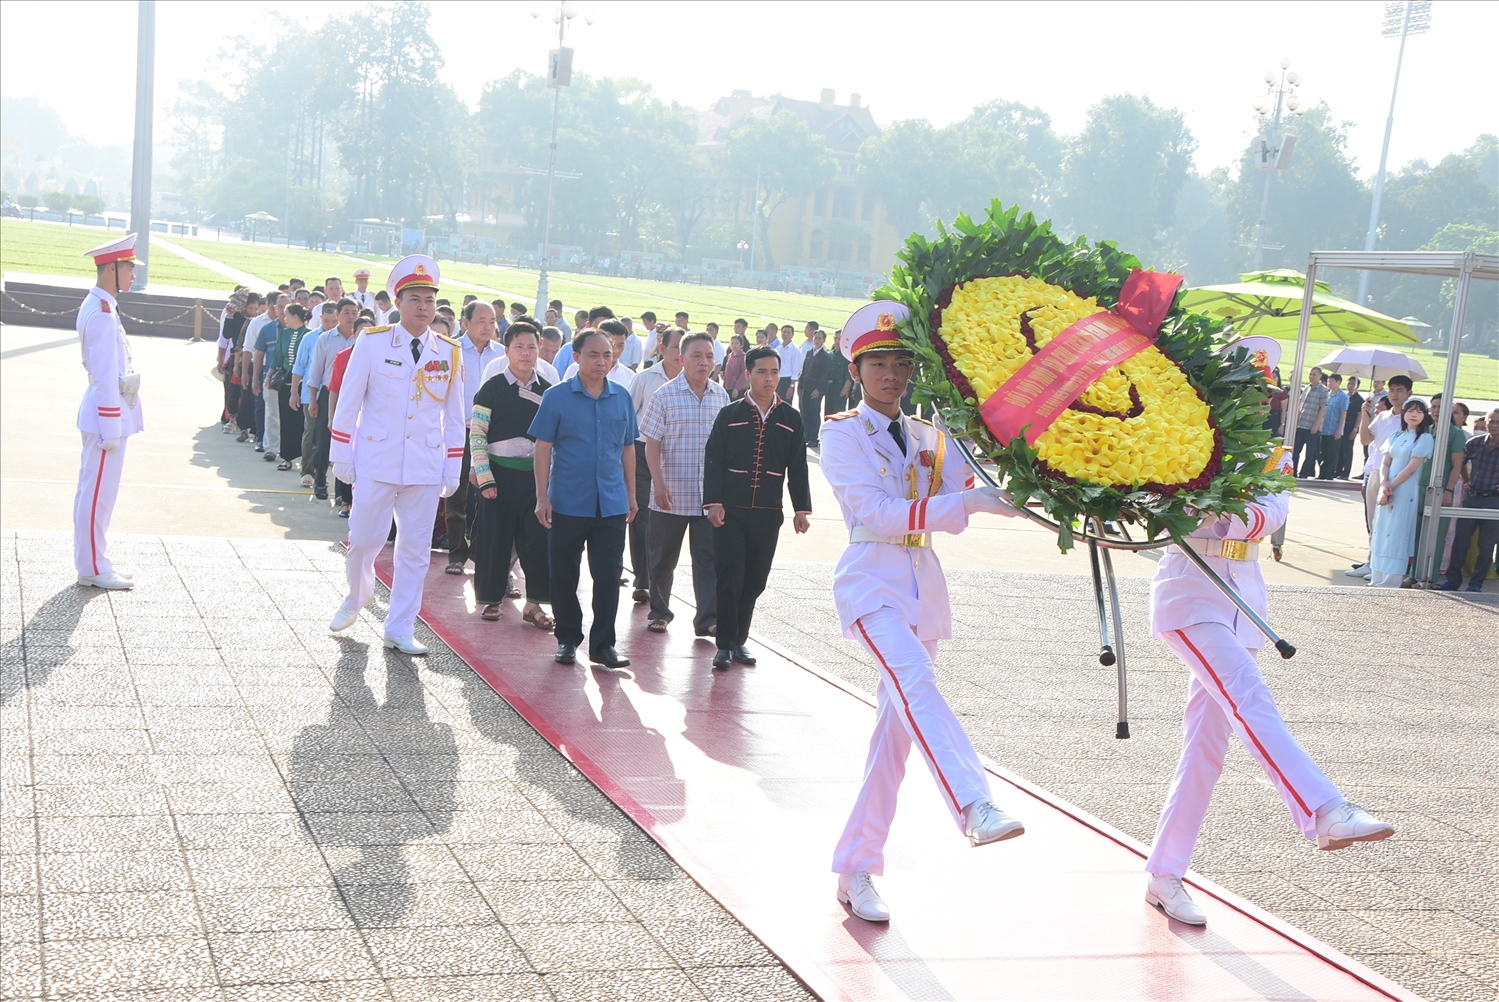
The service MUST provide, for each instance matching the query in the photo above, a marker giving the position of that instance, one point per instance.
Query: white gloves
(449, 485)
(991, 500)
(344, 472)
(109, 444)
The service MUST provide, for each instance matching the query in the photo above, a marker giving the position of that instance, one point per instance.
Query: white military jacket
(397, 421)
(874, 486)
(106, 356)
(1182, 596)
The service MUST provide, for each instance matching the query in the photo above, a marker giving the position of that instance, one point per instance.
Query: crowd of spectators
(1397, 433)
(586, 432)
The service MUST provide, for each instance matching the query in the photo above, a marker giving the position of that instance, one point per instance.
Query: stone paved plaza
(206, 796)
(1392, 692)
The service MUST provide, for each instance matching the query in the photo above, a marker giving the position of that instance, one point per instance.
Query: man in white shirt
(1375, 429)
(620, 374)
(791, 364)
(477, 338)
(642, 388)
(651, 332)
(631, 352)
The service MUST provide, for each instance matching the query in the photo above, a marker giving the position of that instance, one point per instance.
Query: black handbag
(278, 379)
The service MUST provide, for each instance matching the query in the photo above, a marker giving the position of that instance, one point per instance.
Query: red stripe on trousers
(1237, 716)
(925, 748)
(93, 512)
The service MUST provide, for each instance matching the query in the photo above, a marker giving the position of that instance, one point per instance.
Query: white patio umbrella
(1369, 361)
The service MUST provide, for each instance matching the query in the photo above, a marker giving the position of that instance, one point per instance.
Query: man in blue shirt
(1330, 434)
(301, 392)
(585, 494)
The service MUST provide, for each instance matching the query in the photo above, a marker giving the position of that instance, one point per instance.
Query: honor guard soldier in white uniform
(361, 293)
(897, 480)
(110, 412)
(1227, 694)
(397, 436)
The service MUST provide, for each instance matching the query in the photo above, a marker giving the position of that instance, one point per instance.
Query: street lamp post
(1282, 100)
(1403, 19)
(140, 174)
(559, 75)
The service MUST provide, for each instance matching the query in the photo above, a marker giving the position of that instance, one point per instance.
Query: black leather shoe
(641, 596)
(566, 654)
(743, 656)
(722, 660)
(609, 658)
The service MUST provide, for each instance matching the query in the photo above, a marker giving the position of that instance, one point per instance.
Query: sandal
(537, 618)
(657, 626)
(284, 465)
(491, 612)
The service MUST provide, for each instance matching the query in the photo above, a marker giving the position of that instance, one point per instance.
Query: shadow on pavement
(45, 641)
(350, 797)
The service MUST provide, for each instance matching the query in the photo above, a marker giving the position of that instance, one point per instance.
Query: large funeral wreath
(1173, 431)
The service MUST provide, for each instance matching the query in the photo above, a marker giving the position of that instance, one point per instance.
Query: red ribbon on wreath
(1044, 387)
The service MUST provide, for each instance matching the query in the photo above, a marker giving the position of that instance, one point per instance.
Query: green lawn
(55, 249)
(1477, 375)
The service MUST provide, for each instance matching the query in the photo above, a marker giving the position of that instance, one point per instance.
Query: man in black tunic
(756, 446)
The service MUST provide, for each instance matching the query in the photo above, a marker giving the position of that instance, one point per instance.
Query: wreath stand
(1101, 538)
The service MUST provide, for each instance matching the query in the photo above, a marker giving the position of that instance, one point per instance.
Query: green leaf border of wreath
(1008, 243)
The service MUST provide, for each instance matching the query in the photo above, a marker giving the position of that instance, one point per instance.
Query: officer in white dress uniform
(897, 480)
(362, 294)
(398, 437)
(110, 412)
(1227, 694)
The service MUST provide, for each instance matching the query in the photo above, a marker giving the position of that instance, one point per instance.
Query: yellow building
(838, 229)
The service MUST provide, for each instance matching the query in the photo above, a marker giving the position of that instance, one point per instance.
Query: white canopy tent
(1464, 266)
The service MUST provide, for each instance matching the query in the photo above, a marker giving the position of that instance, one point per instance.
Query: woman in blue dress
(1394, 536)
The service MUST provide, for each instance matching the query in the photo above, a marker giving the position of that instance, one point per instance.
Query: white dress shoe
(1168, 894)
(346, 616)
(406, 645)
(984, 823)
(1361, 571)
(1349, 823)
(857, 891)
(109, 580)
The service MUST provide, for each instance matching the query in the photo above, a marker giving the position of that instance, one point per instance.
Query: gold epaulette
(450, 340)
(841, 415)
(922, 420)
(378, 330)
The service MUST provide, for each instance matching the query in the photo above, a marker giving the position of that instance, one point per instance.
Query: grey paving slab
(1393, 693)
(204, 796)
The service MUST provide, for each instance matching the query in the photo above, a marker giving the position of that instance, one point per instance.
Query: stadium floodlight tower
(559, 75)
(1412, 17)
(1273, 148)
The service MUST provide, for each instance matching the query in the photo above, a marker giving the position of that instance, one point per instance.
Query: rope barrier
(207, 313)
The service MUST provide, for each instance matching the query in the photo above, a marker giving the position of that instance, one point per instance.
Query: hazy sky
(907, 60)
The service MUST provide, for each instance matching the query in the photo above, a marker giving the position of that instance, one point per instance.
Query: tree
(1200, 243)
(1122, 173)
(783, 153)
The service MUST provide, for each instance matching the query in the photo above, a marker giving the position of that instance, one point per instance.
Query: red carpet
(745, 778)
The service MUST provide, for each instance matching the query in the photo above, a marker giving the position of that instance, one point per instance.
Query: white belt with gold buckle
(863, 534)
(1228, 549)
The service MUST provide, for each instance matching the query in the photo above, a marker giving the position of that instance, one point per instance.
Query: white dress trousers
(413, 506)
(98, 487)
(909, 711)
(1228, 696)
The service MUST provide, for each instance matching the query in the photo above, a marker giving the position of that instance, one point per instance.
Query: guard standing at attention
(110, 412)
(398, 435)
(897, 480)
(1228, 695)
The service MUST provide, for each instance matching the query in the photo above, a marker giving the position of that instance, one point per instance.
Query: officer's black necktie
(416, 354)
(899, 436)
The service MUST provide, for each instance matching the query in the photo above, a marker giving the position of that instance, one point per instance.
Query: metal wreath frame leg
(1121, 723)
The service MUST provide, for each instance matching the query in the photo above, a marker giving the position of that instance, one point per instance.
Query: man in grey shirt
(642, 388)
(1309, 423)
